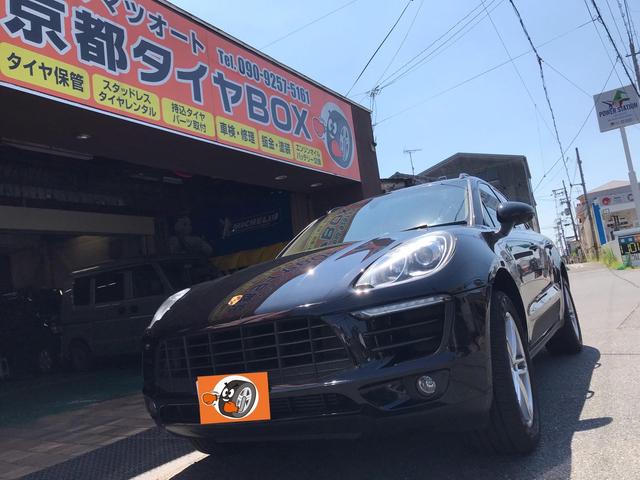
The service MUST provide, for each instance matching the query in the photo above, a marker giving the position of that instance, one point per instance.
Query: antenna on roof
(410, 153)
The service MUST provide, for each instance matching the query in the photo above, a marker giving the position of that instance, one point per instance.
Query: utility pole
(568, 203)
(558, 197)
(633, 180)
(632, 48)
(588, 207)
(410, 153)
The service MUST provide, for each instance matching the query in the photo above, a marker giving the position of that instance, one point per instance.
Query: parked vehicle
(106, 307)
(27, 340)
(421, 308)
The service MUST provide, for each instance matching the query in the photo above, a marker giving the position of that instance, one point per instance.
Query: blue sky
(491, 114)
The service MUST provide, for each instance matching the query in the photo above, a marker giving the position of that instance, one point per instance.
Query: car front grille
(406, 335)
(281, 408)
(292, 351)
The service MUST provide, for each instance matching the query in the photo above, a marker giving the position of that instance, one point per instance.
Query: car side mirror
(511, 214)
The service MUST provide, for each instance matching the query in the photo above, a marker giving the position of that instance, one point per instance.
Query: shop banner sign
(141, 60)
(617, 108)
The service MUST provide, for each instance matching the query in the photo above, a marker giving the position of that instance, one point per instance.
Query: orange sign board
(234, 398)
(141, 60)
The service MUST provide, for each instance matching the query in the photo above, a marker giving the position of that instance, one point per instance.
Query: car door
(148, 291)
(111, 331)
(78, 312)
(532, 253)
(522, 248)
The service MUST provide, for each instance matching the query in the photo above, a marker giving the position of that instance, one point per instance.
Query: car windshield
(429, 205)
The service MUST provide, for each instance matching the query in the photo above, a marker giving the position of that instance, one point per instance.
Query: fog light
(426, 385)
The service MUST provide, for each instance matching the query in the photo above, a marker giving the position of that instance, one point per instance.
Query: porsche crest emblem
(234, 300)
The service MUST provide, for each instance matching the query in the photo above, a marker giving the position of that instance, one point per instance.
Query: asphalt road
(588, 403)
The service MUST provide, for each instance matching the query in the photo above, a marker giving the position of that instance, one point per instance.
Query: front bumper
(379, 393)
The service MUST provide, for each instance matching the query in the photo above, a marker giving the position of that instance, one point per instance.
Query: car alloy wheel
(514, 418)
(519, 370)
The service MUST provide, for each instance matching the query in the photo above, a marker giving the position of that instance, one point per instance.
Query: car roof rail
(463, 175)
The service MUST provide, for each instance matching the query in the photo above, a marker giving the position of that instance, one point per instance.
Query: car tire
(514, 422)
(80, 357)
(568, 339)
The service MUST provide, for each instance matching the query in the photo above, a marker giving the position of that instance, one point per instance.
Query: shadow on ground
(563, 387)
(31, 397)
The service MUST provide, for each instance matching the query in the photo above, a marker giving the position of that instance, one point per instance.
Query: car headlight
(167, 304)
(417, 258)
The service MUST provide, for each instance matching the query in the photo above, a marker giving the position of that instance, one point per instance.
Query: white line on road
(172, 468)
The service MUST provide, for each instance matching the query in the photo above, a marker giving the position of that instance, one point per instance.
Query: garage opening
(60, 214)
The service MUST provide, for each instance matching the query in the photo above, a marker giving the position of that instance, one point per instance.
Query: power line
(404, 39)
(615, 23)
(578, 87)
(627, 26)
(630, 20)
(515, 67)
(578, 133)
(379, 47)
(615, 47)
(544, 86)
(416, 62)
(293, 32)
(478, 75)
(606, 50)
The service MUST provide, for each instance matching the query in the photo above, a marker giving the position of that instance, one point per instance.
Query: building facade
(612, 209)
(135, 133)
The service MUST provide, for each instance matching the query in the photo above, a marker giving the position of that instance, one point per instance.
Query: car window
(426, 205)
(178, 274)
(489, 205)
(498, 193)
(82, 291)
(146, 282)
(109, 287)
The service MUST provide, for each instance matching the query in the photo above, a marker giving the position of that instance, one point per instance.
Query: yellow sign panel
(126, 98)
(187, 117)
(43, 72)
(307, 154)
(276, 145)
(237, 133)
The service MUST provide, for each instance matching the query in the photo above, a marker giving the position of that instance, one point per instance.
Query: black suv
(420, 308)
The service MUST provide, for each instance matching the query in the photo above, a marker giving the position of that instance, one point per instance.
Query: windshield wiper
(459, 222)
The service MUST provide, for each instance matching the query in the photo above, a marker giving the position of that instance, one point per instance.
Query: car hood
(292, 285)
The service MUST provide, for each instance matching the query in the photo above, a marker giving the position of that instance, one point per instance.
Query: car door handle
(549, 246)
